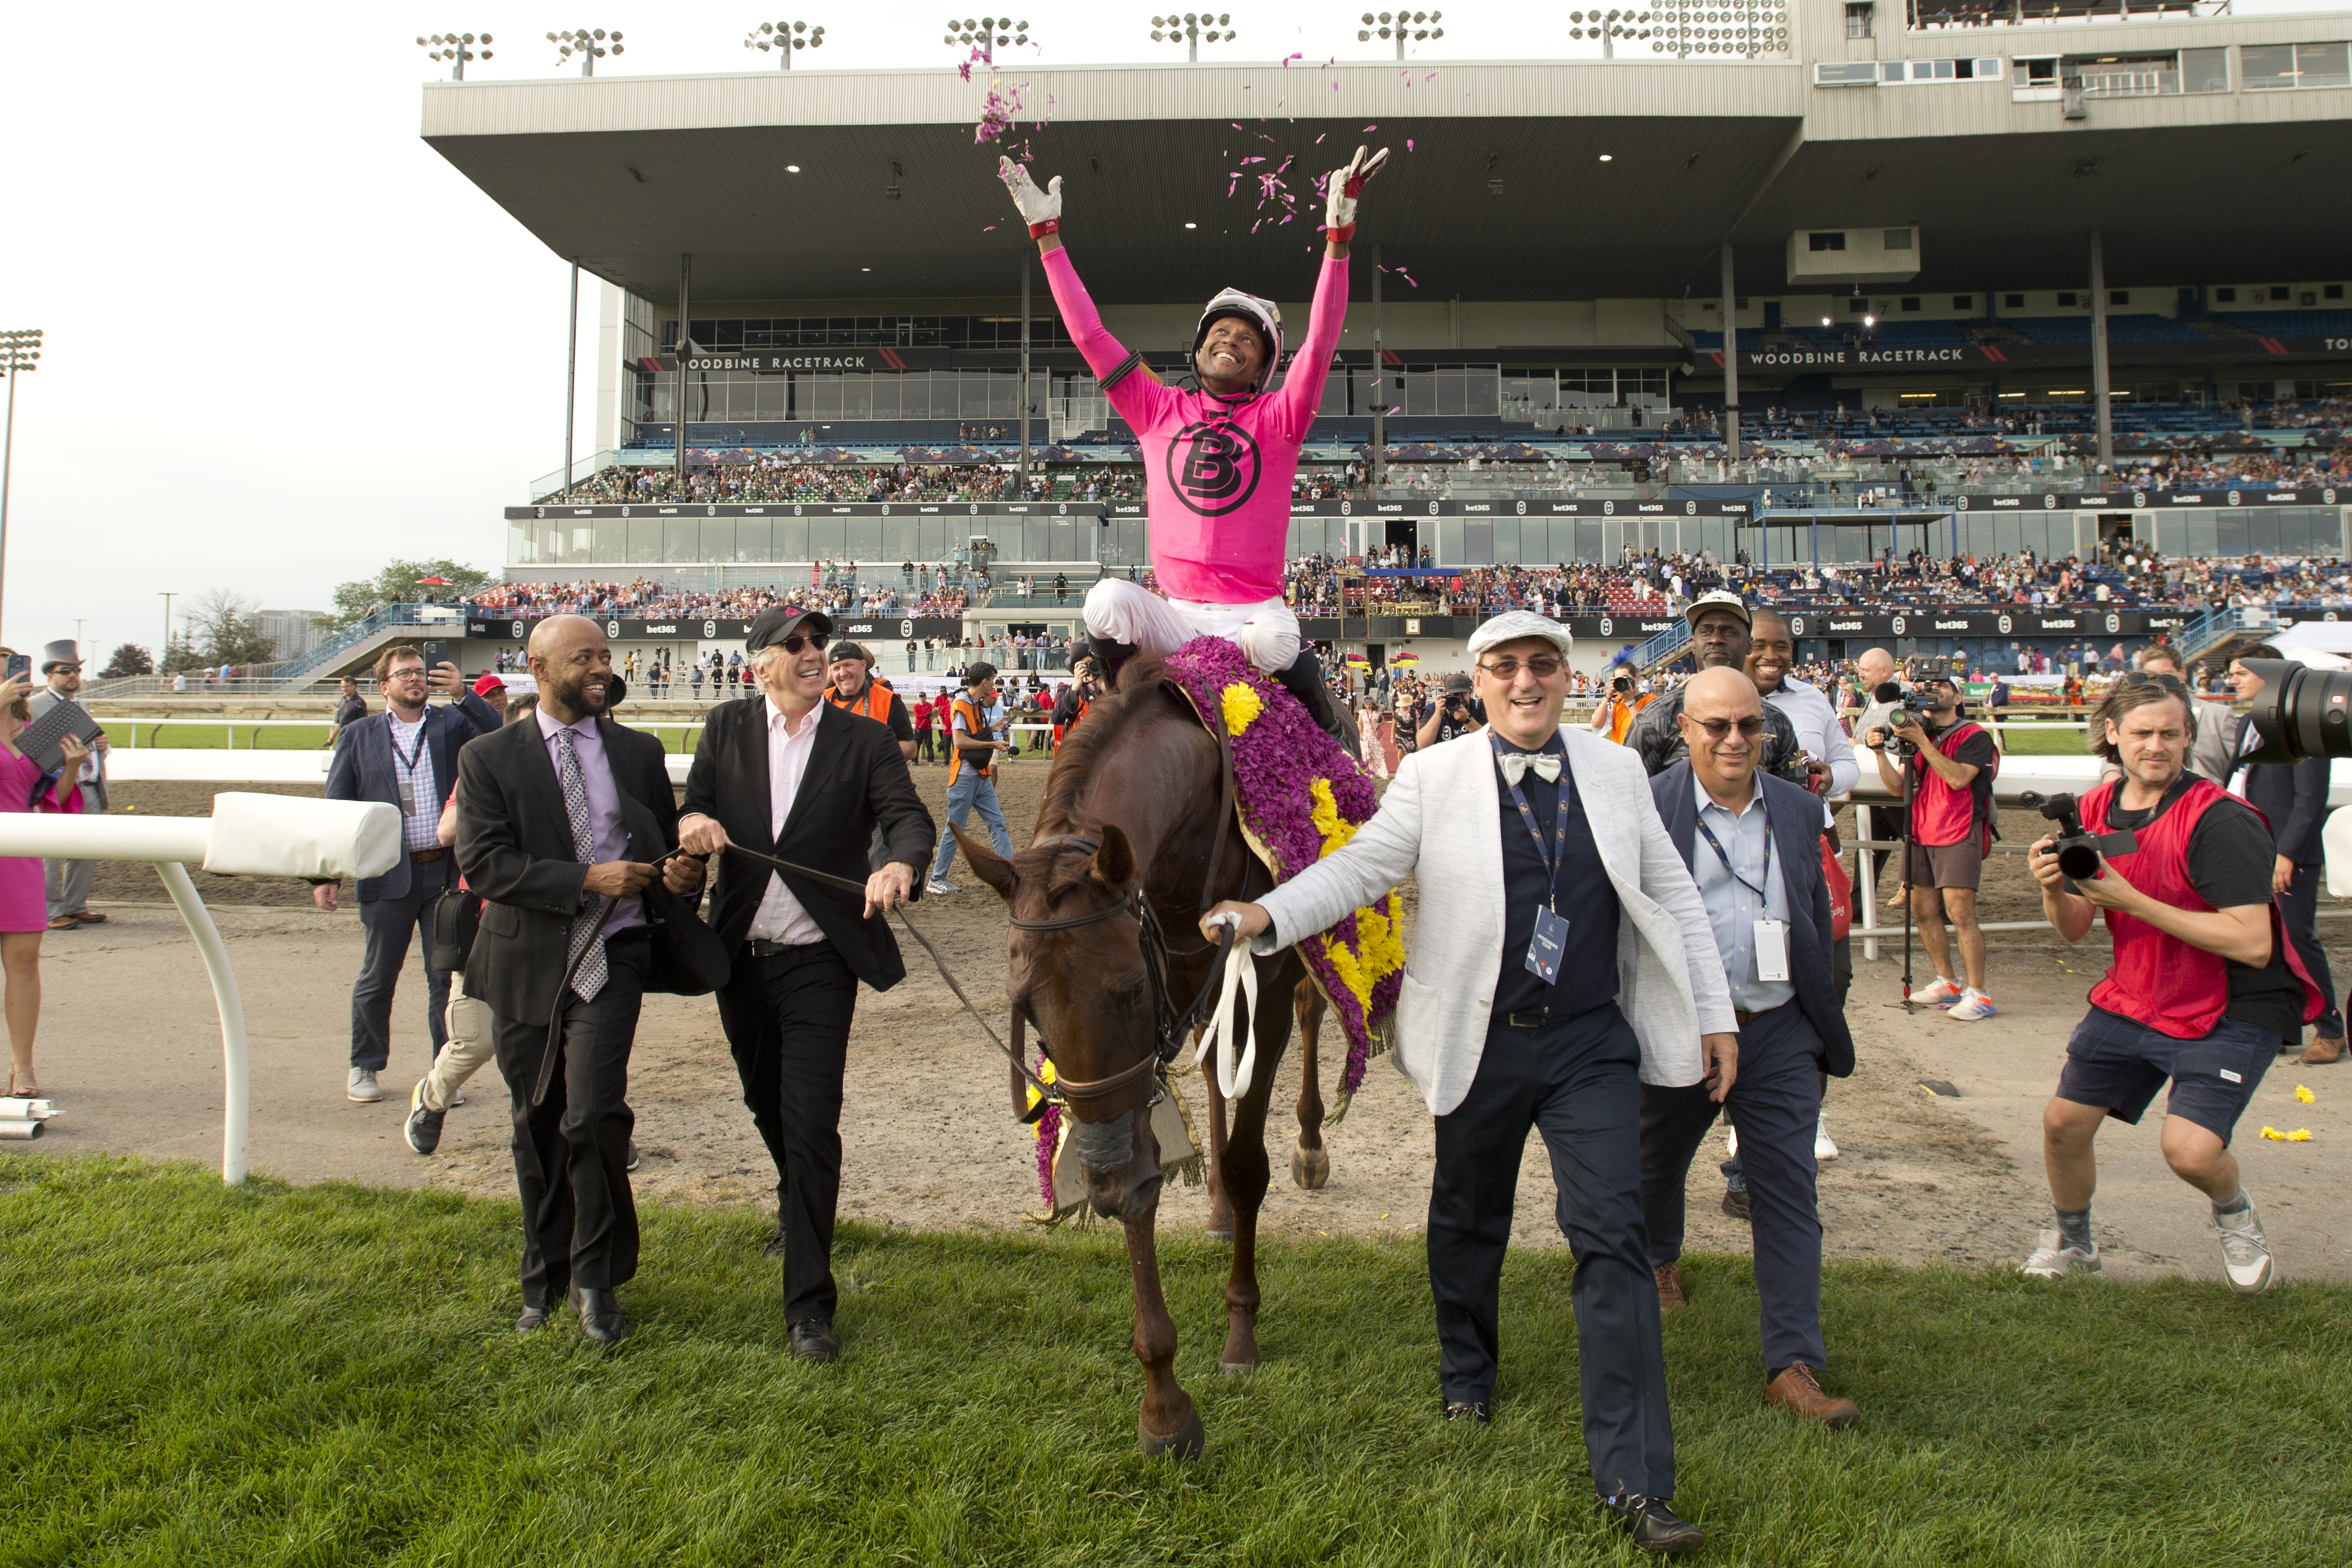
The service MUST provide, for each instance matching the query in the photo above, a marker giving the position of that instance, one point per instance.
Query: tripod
(1910, 778)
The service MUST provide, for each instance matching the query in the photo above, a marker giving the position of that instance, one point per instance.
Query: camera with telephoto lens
(2299, 711)
(2078, 852)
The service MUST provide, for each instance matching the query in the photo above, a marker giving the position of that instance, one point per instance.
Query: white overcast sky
(287, 341)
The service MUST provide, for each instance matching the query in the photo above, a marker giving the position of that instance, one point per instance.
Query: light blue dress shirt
(1733, 906)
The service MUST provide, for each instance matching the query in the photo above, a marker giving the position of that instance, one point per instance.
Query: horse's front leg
(1221, 1207)
(1245, 1179)
(1311, 1165)
(1168, 1424)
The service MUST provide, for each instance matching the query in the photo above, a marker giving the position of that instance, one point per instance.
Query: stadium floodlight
(1193, 28)
(1611, 27)
(1400, 25)
(20, 351)
(985, 35)
(456, 48)
(784, 38)
(591, 46)
(1743, 28)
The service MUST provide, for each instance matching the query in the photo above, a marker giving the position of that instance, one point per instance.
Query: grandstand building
(1965, 279)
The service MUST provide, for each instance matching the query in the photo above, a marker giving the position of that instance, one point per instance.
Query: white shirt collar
(776, 716)
(1755, 794)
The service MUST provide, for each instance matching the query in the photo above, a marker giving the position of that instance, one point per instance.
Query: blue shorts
(2114, 1062)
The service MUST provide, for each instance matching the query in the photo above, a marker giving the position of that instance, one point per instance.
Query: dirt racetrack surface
(130, 1048)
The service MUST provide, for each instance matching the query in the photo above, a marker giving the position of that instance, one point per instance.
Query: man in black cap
(68, 881)
(795, 778)
(1720, 623)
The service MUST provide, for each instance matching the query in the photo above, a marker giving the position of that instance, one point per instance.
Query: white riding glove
(1340, 190)
(1042, 210)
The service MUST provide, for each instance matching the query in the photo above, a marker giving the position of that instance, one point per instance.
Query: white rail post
(1865, 885)
(236, 1086)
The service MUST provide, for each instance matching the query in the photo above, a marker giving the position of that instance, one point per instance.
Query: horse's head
(1078, 975)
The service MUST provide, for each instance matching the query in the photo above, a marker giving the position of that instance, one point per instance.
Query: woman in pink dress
(23, 900)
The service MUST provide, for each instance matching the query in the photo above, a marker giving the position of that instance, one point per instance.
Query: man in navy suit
(1752, 844)
(406, 756)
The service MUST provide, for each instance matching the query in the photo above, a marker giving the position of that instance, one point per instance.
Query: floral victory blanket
(1299, 796)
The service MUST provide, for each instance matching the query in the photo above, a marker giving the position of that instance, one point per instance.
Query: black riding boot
(1109, 657)
(1303, 680)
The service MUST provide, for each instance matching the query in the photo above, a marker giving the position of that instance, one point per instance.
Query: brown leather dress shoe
(2324, 1052)
(1796, 1389)
(1669, 1277)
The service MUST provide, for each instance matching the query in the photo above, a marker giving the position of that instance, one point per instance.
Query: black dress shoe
(1471, 1410)
(1734, 1202)
(599, 1316)
(813, 1341)
(634, 1159)
(1654, 1526)
(533, 1318)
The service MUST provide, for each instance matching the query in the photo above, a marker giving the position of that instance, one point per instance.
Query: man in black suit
(797, 778)
(406, 757)
(1752, 844)
(562, 820)
(2293, 797)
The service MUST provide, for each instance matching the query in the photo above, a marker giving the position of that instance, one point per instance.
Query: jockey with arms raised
(1217, 460)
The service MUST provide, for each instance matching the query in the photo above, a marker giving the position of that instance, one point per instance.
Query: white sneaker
(1823, 1148)
(2245, 1252)
(457, 1098)
(362, 1090)
(1730, 1142)
(2053, 1260)
(936, 887)
(1942, 991)
(1973, 1005)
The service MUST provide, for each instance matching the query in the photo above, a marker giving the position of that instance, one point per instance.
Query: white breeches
(1268, 632)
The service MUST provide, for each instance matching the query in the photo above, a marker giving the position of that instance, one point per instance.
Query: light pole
(981, 35)
(1746, 28)
(571, 376)
(589, 45)
(456, 49)
(165, 652)
(1186, 29)
(20, 351)
(1401, 25)
(784, 38)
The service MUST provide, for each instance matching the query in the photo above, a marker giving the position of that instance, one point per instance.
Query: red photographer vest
(2157, 979)
(1939, 814)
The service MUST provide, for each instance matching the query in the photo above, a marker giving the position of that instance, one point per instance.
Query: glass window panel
(714, 540)
(644, 540)
(771, 397)
(1506, 539)
(1453, 391)
(792, 540)
(2322, 65)
(1449, 540)
(816, 397)
(1481, 385)
(828, 538)
(931, 538)
(865, 537)
(2263, 534)
(857, 396)
(2267, 67)
(610, 542)
(1003, 398)
(882, 394)
(1477, 542)
(681, 539)
(1335, 394)
(898, 532)
(2205, 71)
(754, 540)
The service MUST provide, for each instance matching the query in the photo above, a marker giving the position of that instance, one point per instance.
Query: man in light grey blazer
(1561, 959)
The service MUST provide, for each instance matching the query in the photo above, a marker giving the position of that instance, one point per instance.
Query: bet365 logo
(1212, 467)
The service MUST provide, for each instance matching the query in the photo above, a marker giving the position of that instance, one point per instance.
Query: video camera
(2078, 852)
(1914, 700)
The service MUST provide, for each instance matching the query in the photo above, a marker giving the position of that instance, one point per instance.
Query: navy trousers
(2300, 912)
(1576, 1080)
(388, 925)
(1774, 1102)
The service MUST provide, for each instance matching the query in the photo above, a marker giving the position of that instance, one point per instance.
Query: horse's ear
(1113, 866)
(986, 864)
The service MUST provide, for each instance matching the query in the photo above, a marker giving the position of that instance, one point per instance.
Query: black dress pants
(1774, 1102)
(572, 1149)
(1577, 1081)
(2300, 912)
(787, 1020)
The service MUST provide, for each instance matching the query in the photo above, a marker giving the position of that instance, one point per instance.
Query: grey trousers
(68, 884)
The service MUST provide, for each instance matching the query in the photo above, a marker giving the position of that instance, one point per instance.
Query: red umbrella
(433, 583)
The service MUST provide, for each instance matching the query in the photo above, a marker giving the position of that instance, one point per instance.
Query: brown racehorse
(1136, 807)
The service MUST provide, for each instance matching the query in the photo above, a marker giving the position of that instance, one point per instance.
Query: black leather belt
(423, 856)
(762, 948)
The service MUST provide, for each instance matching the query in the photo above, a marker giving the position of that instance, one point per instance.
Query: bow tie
(1517, 765)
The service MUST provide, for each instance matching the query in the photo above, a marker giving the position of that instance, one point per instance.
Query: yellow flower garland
(1242, 705)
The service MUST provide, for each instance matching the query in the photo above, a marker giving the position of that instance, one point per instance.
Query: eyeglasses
(1716, 728)
(794, 643)
(2151, 678)
(416, 674)
(1543, 667)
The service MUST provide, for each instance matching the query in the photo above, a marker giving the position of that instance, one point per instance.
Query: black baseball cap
(775, 625)
(846, 649)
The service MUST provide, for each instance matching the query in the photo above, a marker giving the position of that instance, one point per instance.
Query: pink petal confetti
(1408, 143)
(1372, 128)
(986, 230)
(1318, 141)
(1288, 59)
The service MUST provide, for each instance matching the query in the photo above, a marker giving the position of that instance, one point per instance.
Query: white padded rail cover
(287, 835)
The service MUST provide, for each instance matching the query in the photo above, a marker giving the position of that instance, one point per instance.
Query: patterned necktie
(1517, 765)
(590, 974)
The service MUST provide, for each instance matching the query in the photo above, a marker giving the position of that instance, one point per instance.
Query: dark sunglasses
(1716, 728)
(794, 643)
(2151, 678)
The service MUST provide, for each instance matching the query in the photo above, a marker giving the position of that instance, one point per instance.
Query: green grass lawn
(2053, 742)
(328, 1375)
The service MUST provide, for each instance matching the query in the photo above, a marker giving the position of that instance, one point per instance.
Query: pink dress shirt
(781, 916)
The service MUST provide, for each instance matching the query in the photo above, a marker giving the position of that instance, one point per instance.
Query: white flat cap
(1513, 624)
(1718, 599)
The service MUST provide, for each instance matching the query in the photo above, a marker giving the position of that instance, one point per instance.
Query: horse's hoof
(1190, 1443)
(1237, 1369)
(1311, 1168)
(1221, 1223)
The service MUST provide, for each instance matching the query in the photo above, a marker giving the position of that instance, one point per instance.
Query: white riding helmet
(1262, 315)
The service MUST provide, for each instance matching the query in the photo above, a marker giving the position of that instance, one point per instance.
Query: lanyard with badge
(1550, 938)
(1771, 935)
(408, 768)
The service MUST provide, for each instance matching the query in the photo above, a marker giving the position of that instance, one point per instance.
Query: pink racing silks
(1217, 471)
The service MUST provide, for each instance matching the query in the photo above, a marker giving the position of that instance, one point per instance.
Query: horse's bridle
(1171, 1025)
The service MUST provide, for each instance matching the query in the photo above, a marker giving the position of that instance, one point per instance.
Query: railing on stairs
(300, 672)
(1664, 646)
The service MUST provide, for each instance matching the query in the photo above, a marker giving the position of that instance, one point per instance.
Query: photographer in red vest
(1953, 763)
(2203, 987)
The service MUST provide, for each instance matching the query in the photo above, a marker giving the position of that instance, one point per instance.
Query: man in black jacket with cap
(793, 777)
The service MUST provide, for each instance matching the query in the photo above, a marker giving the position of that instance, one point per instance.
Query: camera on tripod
(1914, 700)
(2078, 852)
